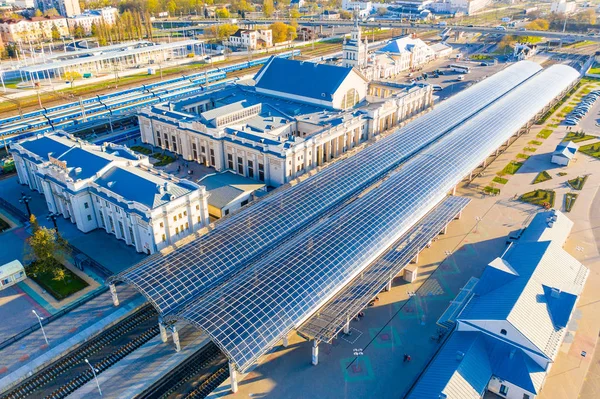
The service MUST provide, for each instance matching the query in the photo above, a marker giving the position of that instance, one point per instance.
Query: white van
(461, 78)
(437, 87)
(500, 27)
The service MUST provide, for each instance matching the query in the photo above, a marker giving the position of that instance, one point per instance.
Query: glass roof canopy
(250, 313)
(199, 266)
(329, 320)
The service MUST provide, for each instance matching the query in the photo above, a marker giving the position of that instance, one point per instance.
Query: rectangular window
(245, 202)
(184, 213)
(162, 224)
(199, 219)
(158, 140)
(503, 390)
(164, 238)
(175, 218)
(174, 142)
(251, 169)
(261, 172)
(180, 216)
(86, 205)
(131, 235)
(121, 230)
(240, 165)
(203, 150)
(230, 161)
(194, 151)
(89, 218)
(102, 220)
(525, 396)
(187, 226)
(117, 209)
(166, 141)
(112, 224)
(212, 157)
(226, 212)
(97, 200)
(176, 230)
(197, 207)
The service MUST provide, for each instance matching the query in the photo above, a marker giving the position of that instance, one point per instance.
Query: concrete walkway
(31, 353)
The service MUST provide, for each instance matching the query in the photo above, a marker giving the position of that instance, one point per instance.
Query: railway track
(71, 371)
(196, 377)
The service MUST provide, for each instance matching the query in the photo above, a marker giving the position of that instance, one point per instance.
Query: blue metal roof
(134, 185)
(560, 305)
(83, 164)
(306, 79)
(467, 362)
(461, 369)
(44, 146)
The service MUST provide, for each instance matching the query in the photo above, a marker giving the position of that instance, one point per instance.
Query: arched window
(350, 99)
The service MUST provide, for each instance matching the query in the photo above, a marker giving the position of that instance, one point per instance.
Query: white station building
(510, 323)
(282, 126)
(112, 188)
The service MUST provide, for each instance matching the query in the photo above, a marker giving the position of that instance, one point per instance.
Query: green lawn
(541, 177)
(530, 149)
(481, 57)
(491, 190)
(578, 182)
(59, 289)
(535, 142)
(500, 180)
(539, 197)
(570, 201)
(511, 168)
(562, 173)
(163, 159)
(592, 150)
(141, 150)
(544, 133)
(578, 137)
(522, 156)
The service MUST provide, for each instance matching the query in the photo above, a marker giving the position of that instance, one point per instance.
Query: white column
(285, 342)
(388, 287)
(445, 230)
(416, 258)
(454, 190)
(233, 378)
(113, 294)
(315, 353)
(347, 326)
(458, 216)
(175, 334)
(163, 331)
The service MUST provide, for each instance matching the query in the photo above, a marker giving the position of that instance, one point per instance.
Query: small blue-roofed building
(564, 153)
(509, 331)
(112, 188)
(294, 117)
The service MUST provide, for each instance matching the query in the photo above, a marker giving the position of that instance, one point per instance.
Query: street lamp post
(95, 376)
(25, 199)
(477, 219)
(53, 216)
(41, 325)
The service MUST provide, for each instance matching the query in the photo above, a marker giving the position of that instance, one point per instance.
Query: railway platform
(31, 353)
(142, 368)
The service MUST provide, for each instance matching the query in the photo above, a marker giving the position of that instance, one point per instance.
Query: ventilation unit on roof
(550, 224)
(460, 355)
(554, 292)
(78, 170)
(323, 95)
(110, 184)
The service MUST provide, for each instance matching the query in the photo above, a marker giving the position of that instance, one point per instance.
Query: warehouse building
(281, 127)
(112, 188)
(511, 323)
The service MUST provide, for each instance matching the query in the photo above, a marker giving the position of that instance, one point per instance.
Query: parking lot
(590, 122)
(449, 80)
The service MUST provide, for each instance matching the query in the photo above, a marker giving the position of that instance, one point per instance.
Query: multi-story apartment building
(66, 8)
(36, 28)
(111, 188)
(108, 15)
(297, 116)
